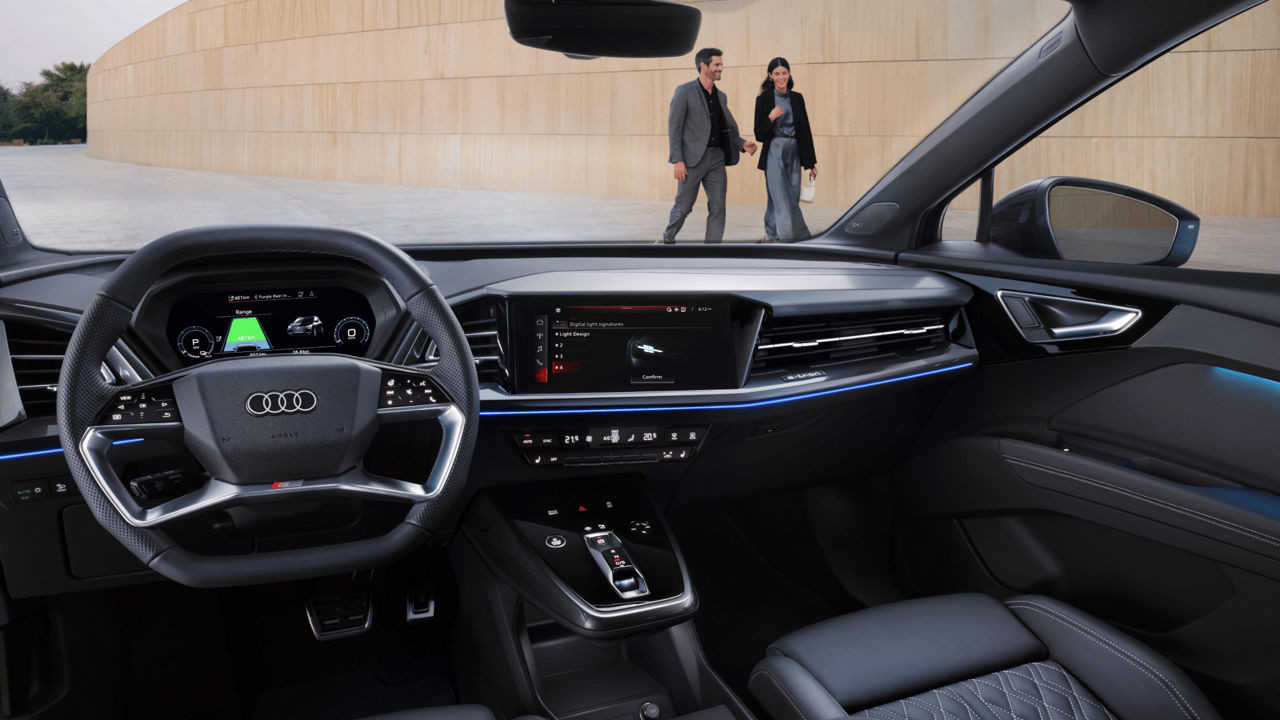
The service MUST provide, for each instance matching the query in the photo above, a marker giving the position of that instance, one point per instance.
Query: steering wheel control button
(555, 542)
(408, 390)
(165, 484)
(147, 405)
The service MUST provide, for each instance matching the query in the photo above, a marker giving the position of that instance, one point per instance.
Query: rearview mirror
(1080, 219)
(609, 28)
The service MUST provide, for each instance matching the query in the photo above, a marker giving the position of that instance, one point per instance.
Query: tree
(52, 109)
(6, 122)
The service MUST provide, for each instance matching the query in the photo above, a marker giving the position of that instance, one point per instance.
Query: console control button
(640, 527)
(686, 435)
(541, 459)
(30, 491)
(555, 542)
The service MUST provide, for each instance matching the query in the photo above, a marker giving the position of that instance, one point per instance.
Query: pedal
(420, 605)
(337, 616)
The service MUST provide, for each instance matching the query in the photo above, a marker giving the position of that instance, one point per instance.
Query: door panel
(1137, 477)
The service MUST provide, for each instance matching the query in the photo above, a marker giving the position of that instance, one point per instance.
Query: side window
(1178, 164)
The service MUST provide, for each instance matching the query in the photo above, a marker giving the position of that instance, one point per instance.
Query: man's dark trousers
(710, 174)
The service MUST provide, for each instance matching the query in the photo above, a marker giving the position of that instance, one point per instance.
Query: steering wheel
(271, 428)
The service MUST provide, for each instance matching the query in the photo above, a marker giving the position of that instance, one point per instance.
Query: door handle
(1053, 318)
(1114, 321)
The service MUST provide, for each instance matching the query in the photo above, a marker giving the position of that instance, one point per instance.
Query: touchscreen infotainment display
(600, 347)
(270, 320)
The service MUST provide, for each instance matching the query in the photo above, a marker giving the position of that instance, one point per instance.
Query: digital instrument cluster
(287, 320)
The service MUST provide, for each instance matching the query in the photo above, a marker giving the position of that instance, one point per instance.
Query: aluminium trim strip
(864, 336)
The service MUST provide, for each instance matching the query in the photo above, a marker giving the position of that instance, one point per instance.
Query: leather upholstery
(969, 656)
(1129, 677)
(1035, 691)
(907, 647)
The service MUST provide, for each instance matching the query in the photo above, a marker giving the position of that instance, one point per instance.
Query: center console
(594, 553)
(587, 601)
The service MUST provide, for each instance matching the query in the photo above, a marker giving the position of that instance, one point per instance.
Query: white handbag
(808, 190)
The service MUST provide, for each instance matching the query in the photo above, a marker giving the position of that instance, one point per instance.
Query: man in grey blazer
(704, 141)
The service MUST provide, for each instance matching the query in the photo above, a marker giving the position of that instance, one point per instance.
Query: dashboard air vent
(479, 321)
(800, 343)
(37, 353)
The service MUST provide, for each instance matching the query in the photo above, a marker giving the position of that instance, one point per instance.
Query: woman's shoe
(767, 239)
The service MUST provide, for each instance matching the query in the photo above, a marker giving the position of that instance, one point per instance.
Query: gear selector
(614, 561)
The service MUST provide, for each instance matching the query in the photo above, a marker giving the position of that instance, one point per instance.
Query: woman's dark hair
(774, 64)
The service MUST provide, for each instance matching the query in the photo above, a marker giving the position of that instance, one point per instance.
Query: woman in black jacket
(782, 124)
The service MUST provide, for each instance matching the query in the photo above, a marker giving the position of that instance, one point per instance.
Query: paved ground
(67, 200)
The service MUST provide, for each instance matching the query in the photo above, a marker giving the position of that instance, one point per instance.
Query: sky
(39, 33)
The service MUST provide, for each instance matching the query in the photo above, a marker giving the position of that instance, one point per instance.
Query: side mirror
(609, 28)
(1080, 219)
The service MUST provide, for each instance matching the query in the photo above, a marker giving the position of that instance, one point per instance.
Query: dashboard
(703, 376)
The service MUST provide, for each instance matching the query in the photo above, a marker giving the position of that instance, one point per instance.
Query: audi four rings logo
(284, 402)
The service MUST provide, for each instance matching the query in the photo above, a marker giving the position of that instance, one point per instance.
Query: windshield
(424, 122)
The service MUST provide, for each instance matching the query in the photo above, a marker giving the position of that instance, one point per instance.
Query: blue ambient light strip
(52, 451)
(722, 406)
(1264, 382)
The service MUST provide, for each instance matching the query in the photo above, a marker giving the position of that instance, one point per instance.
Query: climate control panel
(611, 445)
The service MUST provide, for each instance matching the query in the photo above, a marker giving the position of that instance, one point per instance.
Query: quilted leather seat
(971, 657)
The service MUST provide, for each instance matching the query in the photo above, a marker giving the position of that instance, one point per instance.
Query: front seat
(970, 657)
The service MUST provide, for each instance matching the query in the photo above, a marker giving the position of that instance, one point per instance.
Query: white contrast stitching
(781, 690)
(1070, 689)
(816, 681)
(1011, 691)
(1118, 651)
